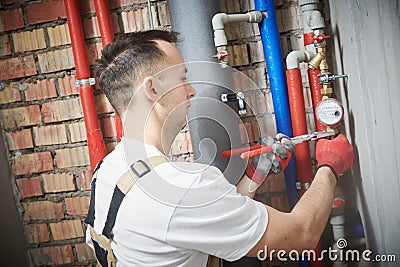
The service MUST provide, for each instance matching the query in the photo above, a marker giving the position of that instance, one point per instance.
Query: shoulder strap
(102, 243)
(138, 169)
(90, 218)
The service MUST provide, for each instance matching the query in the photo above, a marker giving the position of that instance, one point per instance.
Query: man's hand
(337, 154)
(269, 163)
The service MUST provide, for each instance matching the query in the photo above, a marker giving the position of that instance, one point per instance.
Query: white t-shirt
(177, 214)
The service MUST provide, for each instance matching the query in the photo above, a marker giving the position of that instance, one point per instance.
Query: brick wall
(41, 115)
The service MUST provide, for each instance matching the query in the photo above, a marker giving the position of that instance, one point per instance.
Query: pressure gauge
(329, 112)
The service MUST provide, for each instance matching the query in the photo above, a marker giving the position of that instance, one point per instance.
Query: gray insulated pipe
(213, 129)
(213, 125)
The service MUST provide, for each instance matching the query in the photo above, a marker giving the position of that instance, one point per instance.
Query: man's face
(176, 91)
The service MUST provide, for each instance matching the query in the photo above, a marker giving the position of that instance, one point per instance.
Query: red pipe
(299, 124)
(316, 95)
(97, 148)
(107, 35)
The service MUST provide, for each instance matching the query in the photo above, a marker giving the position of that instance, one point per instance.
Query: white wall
(367, 38)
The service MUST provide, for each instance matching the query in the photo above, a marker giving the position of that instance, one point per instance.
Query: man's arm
(243, 187)
(302, 227)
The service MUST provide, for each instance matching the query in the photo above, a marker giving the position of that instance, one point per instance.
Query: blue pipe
(276, 73)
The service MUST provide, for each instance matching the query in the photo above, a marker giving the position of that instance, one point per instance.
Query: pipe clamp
(83, 82)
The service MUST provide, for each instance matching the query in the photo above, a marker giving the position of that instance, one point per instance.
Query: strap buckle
(140, 168)
(304, 186)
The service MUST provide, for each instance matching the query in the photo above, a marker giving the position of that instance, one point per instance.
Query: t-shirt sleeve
(213, 218)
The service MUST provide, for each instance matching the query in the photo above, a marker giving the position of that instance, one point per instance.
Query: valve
(239, 96)
(221, 55)
(321, 37)
(327, 77)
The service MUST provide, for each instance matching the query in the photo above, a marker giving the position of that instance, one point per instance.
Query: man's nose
(191, 91)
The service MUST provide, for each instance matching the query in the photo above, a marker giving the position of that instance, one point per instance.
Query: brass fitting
(323, 66)
(326, 89)
(315, 62)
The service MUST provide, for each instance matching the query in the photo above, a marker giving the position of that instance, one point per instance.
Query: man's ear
(150, 88)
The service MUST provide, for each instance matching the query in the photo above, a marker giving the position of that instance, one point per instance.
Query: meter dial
(329, 112)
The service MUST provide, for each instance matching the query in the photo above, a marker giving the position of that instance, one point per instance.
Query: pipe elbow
(296, 57)
(316, 20)
(219, 20)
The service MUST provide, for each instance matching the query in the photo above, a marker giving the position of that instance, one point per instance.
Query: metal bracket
(239, 96)
(83, 82)
(304, 186)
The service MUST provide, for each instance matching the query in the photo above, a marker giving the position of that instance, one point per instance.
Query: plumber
(147, 211)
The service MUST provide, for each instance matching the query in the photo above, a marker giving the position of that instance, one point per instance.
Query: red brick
(11, 20)
(109, 127)
(93, 52)
(84, 252)
(19, 139)
(276, 183)
(62, 110)
(59, 35)
(46, 11)
(87, 7)
(66, 229)
(5, 47)
(37, 233)
(29, 187)
(122, 3)
(50, 135)
(42, 210)
(77, 205)
(243, 134)
(8, 2)
(56, 60)
(29, 40)
(91, 27)
(22, 116)
(249, 131)
(85, 179)
(54, 255)
(102, 104)
(41, 90)
(33, 163)
(10, 95)
(58, 182)
(17, 67)
(163, 14)
(256, 131)
(72, 157)
(136, 20)
(67, 85)
(77, 131)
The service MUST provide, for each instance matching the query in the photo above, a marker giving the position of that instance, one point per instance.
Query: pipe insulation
(107, 35)
(316, 96)
(273, 57)
(96, 146)
(299, 123)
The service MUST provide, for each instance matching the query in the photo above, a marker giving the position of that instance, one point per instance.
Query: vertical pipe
(299, 123)
(273, 56)
(316, 95)
(107, 35)
(97, 149)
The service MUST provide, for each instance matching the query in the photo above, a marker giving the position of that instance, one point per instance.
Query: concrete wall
(12, 247)
(367, 37)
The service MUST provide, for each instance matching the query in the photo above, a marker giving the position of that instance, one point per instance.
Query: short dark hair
(127, 59)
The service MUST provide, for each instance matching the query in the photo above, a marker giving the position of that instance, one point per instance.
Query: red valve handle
(321, 37)
(221, 55)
